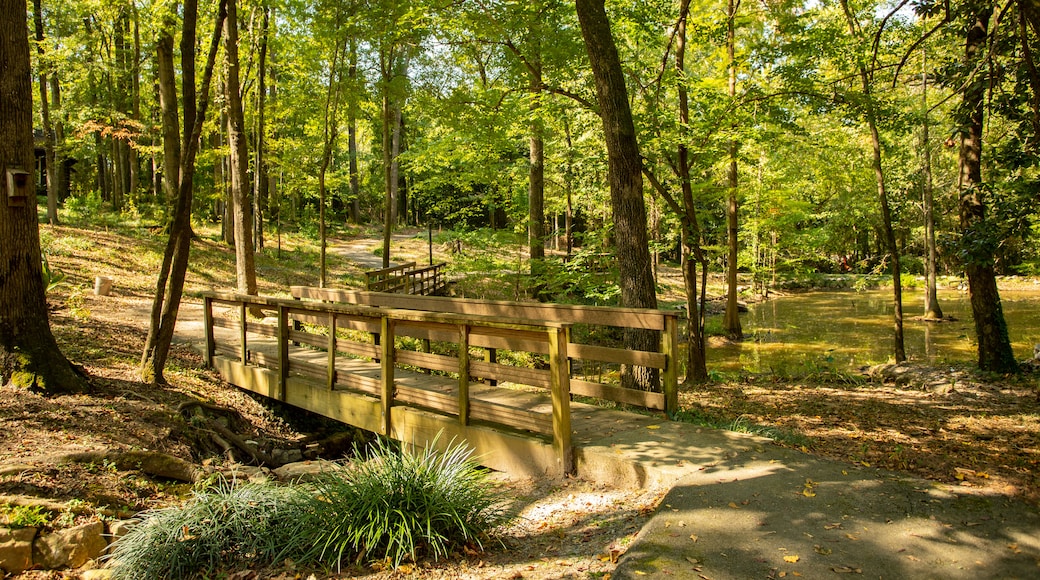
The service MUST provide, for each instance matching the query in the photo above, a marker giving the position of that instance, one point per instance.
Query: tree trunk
(994, 346)
(886, 213)
(61, 172)
(45, 114)
(732, 319)
(245, 267)
(693, 255)
(260, 169)
(330, 131)
(536, 168)
(170, 283)
(388, 199)
(352, 150)
(624, 167)
(932, 311)
(29, 355)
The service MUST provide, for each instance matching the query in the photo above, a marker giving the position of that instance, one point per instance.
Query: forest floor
(953, 426)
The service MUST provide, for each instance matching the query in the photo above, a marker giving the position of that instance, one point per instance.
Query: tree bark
(331, 130)
(536, 167)
(178, 177)
(732, 318)
(45, 114)
(886, 213)
(624, 168)
(994, 346)
(260, 169)
(245, 266)
(932, 311)
(29, 354)
(352, 149)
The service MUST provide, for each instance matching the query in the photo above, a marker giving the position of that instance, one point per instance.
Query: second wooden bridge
(499, 375)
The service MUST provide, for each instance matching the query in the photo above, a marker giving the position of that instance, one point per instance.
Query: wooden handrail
(666, 359)
(335, 315)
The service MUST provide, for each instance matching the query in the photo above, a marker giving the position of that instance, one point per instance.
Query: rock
(305, 470)
(16, 549)
(283, 456)
(117, 529)
(238, 472)
(71, 547)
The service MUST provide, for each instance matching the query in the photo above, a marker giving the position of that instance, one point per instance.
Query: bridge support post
(243, 327)
(560, 387)
(283, 351)
(207, 314)
(386, 362)
(670, 376)
(464, 374)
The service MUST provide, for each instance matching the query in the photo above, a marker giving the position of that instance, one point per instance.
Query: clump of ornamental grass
(394, 506)
(217, 529)
(400, 505)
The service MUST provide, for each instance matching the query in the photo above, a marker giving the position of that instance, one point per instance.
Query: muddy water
(839, 330)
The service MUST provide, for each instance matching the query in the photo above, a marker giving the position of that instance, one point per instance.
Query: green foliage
(401, 505)
(705, 418)
(20, 516)
(218, 528)
(52, 277)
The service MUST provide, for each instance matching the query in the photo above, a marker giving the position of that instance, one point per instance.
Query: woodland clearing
(953, 426)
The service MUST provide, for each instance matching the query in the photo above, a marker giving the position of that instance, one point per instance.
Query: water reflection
(838, 330)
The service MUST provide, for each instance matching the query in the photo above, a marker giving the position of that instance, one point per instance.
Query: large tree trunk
(29, 355)
(178, 177)
(994, 346)
(245, 267)
(732, 319)
(626, 182)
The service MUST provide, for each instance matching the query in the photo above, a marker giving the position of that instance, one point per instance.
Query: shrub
(256, 523)
(399, 505)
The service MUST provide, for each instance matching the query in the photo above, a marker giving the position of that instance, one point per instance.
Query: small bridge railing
(407, 278)
(359, 349)
(611, 320)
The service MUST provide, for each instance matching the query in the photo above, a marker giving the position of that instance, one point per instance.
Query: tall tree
(179, 176)
(624, 168)
(29, 355)
(330, 131)
(732, 318)
(245, 259)
(932, 310)
(866, 72)
(45, 114)
(994, 346)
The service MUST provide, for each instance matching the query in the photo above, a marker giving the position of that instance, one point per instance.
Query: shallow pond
(841, 330)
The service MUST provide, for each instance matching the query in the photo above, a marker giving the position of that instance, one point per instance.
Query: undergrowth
(392, 507)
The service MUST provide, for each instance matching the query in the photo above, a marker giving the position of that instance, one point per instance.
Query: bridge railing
(357, 348)
(408, 278)
(584, 353)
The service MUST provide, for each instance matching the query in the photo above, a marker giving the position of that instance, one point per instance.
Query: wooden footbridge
(506, 377)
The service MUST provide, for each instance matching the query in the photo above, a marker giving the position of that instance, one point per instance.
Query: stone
(305, 470)
(16, 549)
(71, 547)
(117, 529)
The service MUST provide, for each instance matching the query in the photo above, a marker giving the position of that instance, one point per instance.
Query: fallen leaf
(791, 559)
(846, 570)
(852, 537)
(823, 551)
(808, 492)
(653, 426)
(832, 526)
(693, 561)
(693, 537)
(734, 505)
